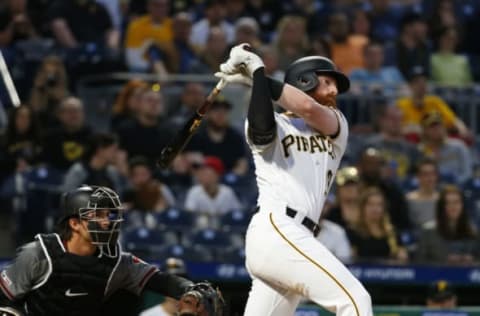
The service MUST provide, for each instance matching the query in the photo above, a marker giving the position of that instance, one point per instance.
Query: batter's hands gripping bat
(183, 136)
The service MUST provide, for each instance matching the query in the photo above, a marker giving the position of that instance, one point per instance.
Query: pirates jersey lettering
(313, 144)
(296, 169)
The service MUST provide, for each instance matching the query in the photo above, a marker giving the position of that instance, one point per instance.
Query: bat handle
(221, 84)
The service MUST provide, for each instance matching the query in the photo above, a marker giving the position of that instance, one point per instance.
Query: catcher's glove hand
(201, 299)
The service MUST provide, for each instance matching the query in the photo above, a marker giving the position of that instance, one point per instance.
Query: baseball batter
(296, 155)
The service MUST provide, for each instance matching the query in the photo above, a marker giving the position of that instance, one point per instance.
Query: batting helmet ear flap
(303, 73)
(306, 81)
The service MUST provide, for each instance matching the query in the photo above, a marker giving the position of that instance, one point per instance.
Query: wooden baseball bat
(184, 135)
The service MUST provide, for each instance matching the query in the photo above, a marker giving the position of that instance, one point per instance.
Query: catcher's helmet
(303, 73)
(84, 202)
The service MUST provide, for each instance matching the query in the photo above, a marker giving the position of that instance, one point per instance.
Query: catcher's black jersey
(36, 266)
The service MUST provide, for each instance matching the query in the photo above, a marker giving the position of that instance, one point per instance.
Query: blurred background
(91, 91)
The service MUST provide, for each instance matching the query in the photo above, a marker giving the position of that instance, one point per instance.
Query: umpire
(75, 271)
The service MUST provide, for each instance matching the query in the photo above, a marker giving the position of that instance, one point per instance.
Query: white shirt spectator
(198, 200)
(334, 238)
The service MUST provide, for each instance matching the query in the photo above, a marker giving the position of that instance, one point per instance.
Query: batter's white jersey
(298, 167)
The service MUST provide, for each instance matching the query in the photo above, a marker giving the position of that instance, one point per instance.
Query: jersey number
(329, 181)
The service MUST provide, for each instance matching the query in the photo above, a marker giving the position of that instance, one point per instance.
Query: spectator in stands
(347, 49)
(20, 143)
(235, 10)
(361, 24)
(422, 201)
(127, 103)
(98, 166)
(185, 53)
(179, 176)
(320, 46)
(384, 19)
(412, 47)
(441, 295)
(452, 155)
(334, 238)
(219, 139)
(345, 212)
(168, 307)
(371, 168)
(209, 195)
(267, 14)
(451, 238)
(420, 103)
(192, 97)
(149, 132)
(67, 144)
(247, 31)
(375, 77)
(50, 87)
(291, 40)
(114, 9)
(214, 54)
(15, 23)
(149, 40)
(374, 236)
(147, 193)
(270, 59)
(447, 66)
(79, 22)
(443, 15)
(399, 155)
(215, 17)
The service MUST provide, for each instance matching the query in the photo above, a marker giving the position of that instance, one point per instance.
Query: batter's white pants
(286, 262)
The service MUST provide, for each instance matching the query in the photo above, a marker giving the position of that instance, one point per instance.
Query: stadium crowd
(409, 190)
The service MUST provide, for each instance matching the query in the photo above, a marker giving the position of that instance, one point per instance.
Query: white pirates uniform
(285, 260)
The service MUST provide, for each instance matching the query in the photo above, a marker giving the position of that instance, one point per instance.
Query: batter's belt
(306, 221)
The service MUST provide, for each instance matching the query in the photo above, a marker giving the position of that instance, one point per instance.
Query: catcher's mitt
(201, 299)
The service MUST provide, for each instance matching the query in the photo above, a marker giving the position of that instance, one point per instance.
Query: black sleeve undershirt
(261, 119)
(168, 284)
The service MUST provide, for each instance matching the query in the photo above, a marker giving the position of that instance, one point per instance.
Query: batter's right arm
(320, 117)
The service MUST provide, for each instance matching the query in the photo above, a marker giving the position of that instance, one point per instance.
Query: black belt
(306, 221)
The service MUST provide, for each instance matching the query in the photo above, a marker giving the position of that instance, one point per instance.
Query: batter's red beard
(327, 101)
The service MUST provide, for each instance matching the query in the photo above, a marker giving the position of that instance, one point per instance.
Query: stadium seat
(208, 237)
(145, 242)
(175, 218)
(194, 253)
(231, 255)
(235, 221)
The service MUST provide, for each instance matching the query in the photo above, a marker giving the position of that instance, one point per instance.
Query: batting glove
(240, 78)
(242, 58)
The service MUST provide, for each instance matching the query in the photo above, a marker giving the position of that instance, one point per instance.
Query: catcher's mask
(303, 73)
(101, 208)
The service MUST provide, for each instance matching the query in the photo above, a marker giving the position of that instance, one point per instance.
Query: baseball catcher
(77, 270)
(201, 299)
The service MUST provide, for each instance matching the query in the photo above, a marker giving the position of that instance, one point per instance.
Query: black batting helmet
(303, 73)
